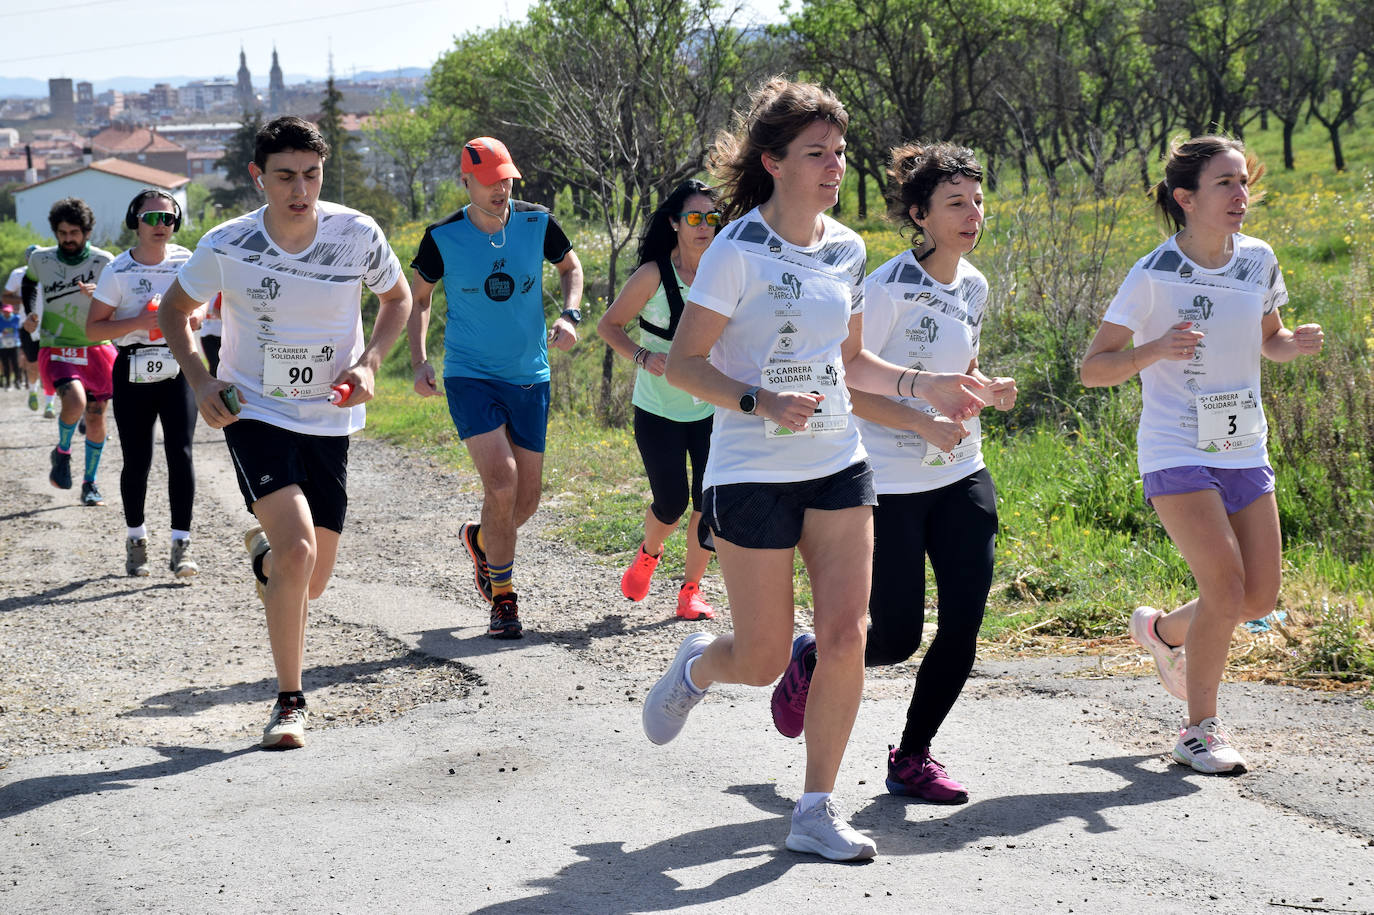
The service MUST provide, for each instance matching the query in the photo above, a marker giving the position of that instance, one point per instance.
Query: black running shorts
(769, 516)
(268, 458)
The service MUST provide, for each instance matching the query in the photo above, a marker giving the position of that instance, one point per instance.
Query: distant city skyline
(137, 38)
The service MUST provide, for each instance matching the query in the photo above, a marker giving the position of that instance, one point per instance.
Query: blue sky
(101, 39)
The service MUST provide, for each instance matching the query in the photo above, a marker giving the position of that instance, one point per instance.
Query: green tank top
(653, 393)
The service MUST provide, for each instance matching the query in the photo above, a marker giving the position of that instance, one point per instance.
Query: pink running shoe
(634, 584)
(789, 696)
(690, 606)
(919, 775)
(1170, 663)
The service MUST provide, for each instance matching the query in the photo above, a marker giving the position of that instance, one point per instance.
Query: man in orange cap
(490, 256)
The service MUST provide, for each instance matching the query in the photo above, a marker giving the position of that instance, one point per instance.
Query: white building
(107, 187)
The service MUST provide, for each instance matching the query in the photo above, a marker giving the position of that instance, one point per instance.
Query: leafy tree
(239, 194)
(1344, 79)
(417, 140)
(628, 93)
(346, 179)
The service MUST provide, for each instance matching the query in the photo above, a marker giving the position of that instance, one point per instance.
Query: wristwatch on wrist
(572, 314)
(749, 400)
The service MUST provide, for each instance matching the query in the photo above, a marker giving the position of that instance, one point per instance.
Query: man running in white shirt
(291, 275)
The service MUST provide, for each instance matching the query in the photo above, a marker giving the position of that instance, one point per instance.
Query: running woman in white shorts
(771, 335)
(293, 376)
(1199, 311)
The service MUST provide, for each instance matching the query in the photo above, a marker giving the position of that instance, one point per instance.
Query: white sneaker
(286, 730)
(669, 702)
(820, 831)
(136, 557)
(1169, 661)
(1207, 748)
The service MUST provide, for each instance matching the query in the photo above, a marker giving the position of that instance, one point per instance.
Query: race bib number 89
(149, 365)
(297, 372)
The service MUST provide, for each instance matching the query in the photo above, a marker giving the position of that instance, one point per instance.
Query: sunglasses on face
(158, 218)
(694, 218)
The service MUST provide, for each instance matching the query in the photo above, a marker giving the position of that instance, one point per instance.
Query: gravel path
(127, 704)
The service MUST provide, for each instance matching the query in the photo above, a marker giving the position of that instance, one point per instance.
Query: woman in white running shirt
(1199, 312)
(149, 389)
(771, 335)
(924, 308)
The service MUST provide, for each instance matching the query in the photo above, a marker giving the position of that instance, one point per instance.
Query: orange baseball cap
(487, 160)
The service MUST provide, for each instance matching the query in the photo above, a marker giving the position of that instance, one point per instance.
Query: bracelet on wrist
(900, 379)
(916, 373)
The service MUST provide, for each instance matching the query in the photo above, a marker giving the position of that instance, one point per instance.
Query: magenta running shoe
(789, 696)
(920, 776)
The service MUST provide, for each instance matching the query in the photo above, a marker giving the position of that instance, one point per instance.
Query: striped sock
(501, 576)
(93, 452)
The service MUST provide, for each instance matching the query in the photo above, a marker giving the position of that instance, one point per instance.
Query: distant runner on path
(71, 364)
(1199, 311)
(291, 274)
(490, 256)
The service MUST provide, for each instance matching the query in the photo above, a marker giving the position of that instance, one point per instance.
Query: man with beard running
(70, 363)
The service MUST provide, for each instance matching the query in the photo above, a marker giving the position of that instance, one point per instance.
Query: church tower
(276, 86)
(247, 100)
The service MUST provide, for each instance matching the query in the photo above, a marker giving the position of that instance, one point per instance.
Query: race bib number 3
(808, 378)
(297, 372)
(1229, 421)
(149, 365)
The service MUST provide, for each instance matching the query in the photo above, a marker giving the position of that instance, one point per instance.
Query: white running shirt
(277, 302)
(789, 309)
(1228, 305)
(912, 320)
(129, 287)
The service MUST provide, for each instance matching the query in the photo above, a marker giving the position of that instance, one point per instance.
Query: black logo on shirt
(789, 287)
(499, 287)
(269, 288)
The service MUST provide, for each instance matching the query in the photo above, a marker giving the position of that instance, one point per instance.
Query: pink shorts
(90, 365)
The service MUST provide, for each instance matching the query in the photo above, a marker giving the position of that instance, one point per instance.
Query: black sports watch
(572, 314)
(749, 400)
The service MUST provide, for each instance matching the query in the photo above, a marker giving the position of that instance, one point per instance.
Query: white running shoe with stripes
(1206, 747)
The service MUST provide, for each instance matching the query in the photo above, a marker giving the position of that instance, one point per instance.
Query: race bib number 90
(297, 372)
(808, 378)
(1229, 421)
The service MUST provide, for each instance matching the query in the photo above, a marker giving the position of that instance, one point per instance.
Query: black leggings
(665, 445)
(136, 408)
(210, 343)
(9, 365)
(956, 526)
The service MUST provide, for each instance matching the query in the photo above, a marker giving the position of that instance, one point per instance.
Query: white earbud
(257, 179)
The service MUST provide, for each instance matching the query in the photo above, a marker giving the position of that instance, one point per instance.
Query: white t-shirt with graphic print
(1228, 305)
(296, 314)
(912, 320)
(789, 311)
(129, 287)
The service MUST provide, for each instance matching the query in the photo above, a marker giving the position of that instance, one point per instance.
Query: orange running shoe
(634, 584)
(690, 605)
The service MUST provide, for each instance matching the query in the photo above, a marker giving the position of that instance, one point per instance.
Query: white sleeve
(1132, 305)
(719, 283)
(1276, 296)
(385, 270)
(200, 277)
(979, 308)
(879, 315)
(108, 289)
(857, 284)
(15, 278)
